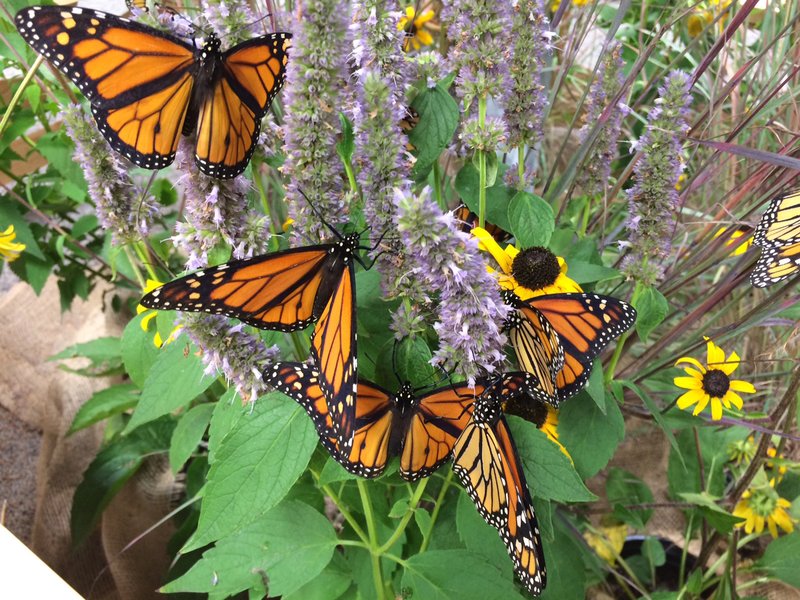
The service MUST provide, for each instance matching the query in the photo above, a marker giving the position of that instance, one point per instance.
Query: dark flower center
(535, 268)
(716, 383)
(527, 408)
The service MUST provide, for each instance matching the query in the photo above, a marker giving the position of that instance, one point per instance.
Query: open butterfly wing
(486, 462)
(778, 234)
(585, 324)
(273, 291)
(230, 116)
(137, 78)
(374, 416)
(333, 348)
(538, 347)
(437, 420)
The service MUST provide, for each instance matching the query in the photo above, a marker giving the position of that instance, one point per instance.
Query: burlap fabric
(40, 397)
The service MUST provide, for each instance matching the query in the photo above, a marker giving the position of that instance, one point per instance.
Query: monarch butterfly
(287, 291)
(581, 324)
(421, 430)
(486, 462)
(146, 87)
(778, 234)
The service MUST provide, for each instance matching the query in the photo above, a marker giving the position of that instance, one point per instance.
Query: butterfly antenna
(319, 216)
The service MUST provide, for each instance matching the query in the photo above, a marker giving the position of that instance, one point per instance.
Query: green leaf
(549, 472)
(480, 537)
(782, 559)
(103, 404)
(105, 349)
(227, 412)
(407, 360)
(585, 272)
(33, 270)
(84, 225)
(590, 437)
(139, 353)
(718, 518)
(448, 574)
(651, 309)
(438, 119)
(566, 571)
(109, 471)
(624, 488)
(328, 585)
(653, 551)
(346, 145)
(333, 472)
(498, 197)
(532, 220)
(176, 378)
(654, 410)
(286, 547)
(9, 215)
(188, 433)
(254, 468)
(596, 387)
(683, 470)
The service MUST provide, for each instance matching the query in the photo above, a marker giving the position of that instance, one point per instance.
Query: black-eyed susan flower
(711, 383)
(607, 540)
(697, 21)
(150, 285)
(9, 249)
(764, 505)
(732, 238)
(528, 272)
(417, 26)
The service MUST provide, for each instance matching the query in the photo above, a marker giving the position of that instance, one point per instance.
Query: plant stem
(481, 167)
(377, 574)
(437, 186)
(426, 539)
(401, 527)
(521, 166)
(134, 266)
(20, 90)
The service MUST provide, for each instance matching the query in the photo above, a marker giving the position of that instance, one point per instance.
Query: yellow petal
(771, 526)
(716, 355)
(145, 322)
(424, 18)
(783, 520)
(688, 383)
(729, 365)
(693, 373)
(424, 37)
(157, 341)
(701, 404)
(742, 386)
(691, 361)
(689, 398)
(487, 242)
(716, 409)
(150, 285)
(410, 12)
(734, 399)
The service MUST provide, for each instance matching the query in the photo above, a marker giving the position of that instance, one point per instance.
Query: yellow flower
(145, 322)
(556, 3)
(712, 382)
(607, 541)
(764, 505)
(777, 468)
(529, 272)
(697, 21)
(733, 236)
(9, 249)
(416, 27)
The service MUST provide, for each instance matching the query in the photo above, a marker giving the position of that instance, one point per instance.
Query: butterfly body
(147, 87)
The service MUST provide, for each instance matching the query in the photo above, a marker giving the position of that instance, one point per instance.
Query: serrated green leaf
(109, 471)
(532, 220)
(585, 272)
(448, 574)
(565, 560)
(286, 547)
(255, 466)
(328, 585)
(407, 360)
(653, 551)
(498, 197)
(33, 270)
(718, 518)
(782, 559)
(103, 404)
(596, 387)
(97, 350)
(438, 119)
(176, 378)
(333, 472)
(227, 412)
(549, 472)
(590, 437)
(188, 433)
(138, 351)
(651, 309)
(624, 488)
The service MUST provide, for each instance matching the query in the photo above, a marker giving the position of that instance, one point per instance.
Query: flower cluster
(315, 77)
(653, 198)
(232, 20)
(240, 356)
(470, 307)
(594, 175)
(525, 98)
(121, 207)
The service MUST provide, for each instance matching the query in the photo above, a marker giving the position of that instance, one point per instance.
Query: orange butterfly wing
(778, 234)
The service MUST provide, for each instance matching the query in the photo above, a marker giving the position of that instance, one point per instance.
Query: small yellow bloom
(544, 272)
(550, 429)
(416, 27)
(556, 3)
(698, 21)
(711, 383)
(147, 319)
(733, 237)
(776, 469)
(607, 541)
(763, 505)
(9, 249)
